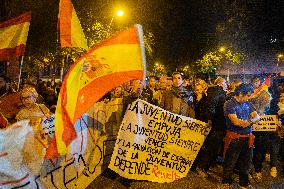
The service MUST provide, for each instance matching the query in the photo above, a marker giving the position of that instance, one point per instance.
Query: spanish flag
(71, 32)
(104, 67)
(13, 36)
(263, 87)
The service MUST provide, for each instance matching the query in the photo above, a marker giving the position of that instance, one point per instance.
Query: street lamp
(279, 56)
(222, 49)
(119, 13)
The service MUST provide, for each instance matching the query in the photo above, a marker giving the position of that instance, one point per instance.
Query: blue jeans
(239, 153)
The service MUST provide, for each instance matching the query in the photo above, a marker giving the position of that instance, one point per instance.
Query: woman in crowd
(38, 140)
(200, 93)
(34, 112)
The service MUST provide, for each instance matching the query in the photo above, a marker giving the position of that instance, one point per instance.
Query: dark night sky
(182, 28)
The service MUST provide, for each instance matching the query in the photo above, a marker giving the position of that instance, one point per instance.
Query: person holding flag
(264, 140)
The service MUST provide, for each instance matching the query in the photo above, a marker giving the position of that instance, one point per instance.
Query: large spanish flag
(108, 65)
(13, 36)
(71, 32)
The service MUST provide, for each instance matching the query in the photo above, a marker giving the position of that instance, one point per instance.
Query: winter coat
(213, 108)
(178, 100)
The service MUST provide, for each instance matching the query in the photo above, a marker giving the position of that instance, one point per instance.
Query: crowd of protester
(229, 109)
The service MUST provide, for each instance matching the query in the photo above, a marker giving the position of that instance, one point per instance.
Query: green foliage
(209, 61)
(234, 58)
(214, 59)
(159, 70)
(51, 60)
(97, 33)
(149, 42)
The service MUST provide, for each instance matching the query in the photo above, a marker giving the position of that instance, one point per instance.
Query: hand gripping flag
(13, 36)
(71, 32)
(104, 67)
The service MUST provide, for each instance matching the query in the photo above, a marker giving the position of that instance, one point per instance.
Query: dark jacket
(276, 89)
(213, 108)
(199, 108)
(148, 95)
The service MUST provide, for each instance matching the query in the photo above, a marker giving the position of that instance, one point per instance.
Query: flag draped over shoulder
(13, 36)
(104, 67)
(71, 32)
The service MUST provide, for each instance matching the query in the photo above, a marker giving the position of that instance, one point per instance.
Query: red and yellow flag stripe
(13, 34)
(71, 32)
(110, 64)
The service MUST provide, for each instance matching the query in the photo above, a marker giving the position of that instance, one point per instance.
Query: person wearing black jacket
(212, 112)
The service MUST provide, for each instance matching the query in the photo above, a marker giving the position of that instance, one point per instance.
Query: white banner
(266, 123)
(156, 145)
(22, 163)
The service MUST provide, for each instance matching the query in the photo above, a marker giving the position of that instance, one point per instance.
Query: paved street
(191, 181)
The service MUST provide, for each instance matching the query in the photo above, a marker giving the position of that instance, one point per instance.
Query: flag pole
(141, 37)
(20, 74)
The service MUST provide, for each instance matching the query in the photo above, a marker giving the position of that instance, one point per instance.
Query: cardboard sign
(48, 126)
(266, 123)
(156, 145)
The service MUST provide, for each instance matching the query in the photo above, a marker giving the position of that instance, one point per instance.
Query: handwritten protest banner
(266, 123)
(156, 145)
(23, 166)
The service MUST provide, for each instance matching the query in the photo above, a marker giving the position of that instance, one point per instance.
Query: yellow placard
(266, 123)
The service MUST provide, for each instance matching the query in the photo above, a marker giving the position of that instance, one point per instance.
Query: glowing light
(222, 49)
(120, 13)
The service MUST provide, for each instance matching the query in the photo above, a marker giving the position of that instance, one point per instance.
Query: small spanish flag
(263, 87)
(104, 67)
(13, 36)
